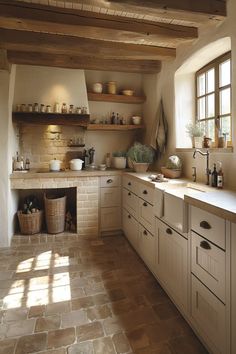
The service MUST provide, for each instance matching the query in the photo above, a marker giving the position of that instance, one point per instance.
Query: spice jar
(64, 108)
(56, 108)
(111, 87)
(71, 109)
(206, 142)
(23, 107)
(48, 109)
(30, 108)
(97, 87)
(36, 107)
(42, 108)
(78, 110)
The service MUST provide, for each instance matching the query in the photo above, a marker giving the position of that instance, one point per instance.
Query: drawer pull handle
(205, 245)
(145, 233)
(129, 216)
(145, 204)
(145, 192)
(110, 180)
(129, 184)
(129, 193)
(169, 231)
(205, 225)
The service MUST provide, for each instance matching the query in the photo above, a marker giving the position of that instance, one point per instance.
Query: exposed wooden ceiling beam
(4, 64)
(58, 44)
(87, 24)
(87, 63)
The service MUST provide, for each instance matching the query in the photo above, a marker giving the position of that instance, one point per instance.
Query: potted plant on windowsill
(195, 132)
(140, 157)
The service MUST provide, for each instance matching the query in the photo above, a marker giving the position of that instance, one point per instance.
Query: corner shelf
(114, 127)
(106, 97)
(51, 118)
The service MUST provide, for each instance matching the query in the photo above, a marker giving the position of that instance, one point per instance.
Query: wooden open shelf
(114, 127)
(106, 97)
(51, 118)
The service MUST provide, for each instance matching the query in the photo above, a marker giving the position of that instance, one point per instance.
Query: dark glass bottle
(214, 177)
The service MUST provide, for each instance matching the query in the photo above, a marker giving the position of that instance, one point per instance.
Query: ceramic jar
(55, 165)
(111, 87)
(97, 87)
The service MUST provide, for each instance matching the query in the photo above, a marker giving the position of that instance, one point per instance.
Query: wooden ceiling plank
(86, 63)
(4, 63)
(42, 42)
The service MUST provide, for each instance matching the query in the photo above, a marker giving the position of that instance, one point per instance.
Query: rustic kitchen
(117, 183)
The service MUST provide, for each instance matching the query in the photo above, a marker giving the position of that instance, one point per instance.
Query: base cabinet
(171, 262)
(130, 228)
(147, 247)
(209, 316)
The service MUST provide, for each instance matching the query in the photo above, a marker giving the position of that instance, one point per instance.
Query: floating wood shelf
(113, 127)
(105, 97)
(51, 118)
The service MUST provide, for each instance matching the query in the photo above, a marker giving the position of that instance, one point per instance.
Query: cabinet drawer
(110, 181)
(209, 264)
(209, 226)
(146, 215)
(131, 184)
(110, 197)
(146, 193)
(147, 247)
(130, 228)
(130, 202)
(110, 219)
(209, 315)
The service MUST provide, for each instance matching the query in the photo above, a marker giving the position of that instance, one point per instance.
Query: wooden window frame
(215, 64)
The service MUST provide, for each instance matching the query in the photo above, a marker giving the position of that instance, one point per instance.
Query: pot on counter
(76, 164)
(55, 165)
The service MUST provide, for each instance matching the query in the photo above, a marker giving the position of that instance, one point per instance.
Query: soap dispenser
(220, 176)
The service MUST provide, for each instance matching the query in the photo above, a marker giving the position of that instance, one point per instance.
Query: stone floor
(63, 294)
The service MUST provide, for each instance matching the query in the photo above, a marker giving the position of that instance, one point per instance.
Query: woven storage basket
(55, 211)
(30, 223)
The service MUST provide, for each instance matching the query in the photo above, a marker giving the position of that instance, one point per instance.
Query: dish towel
(159, 131)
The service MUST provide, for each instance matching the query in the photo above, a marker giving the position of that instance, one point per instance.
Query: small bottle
(117, 118)
(56, 108)
(71, 109)
(214, 177)
(22, 163)
(220, 177)
(78, 110)
(42, 108)
(30, 108)
(23, 107)
(108, 160)
(36, 107)
(27, 164)
(64, 108)
(48, 108)
(113, 118)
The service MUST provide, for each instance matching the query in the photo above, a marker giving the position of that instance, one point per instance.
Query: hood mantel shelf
(106, 97)
(51, 118)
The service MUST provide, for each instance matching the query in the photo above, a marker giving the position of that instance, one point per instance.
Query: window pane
(211, 80)
(203, 127)
(210, 129)
(225, 73)
(201, 84)
(225, 101)
(225, 127)
(201, 108)
(211, 105)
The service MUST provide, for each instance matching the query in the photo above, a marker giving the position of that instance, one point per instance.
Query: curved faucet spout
(207, 162)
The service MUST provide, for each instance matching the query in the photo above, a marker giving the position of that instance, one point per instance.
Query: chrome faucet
(207, 162)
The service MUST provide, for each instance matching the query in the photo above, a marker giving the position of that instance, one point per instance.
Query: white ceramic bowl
(76, 164)
(136, 120)
(128, 92)
(102, 167)
(97, 87)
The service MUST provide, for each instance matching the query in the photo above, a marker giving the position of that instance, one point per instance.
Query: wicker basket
(55, 211)
(30, 223)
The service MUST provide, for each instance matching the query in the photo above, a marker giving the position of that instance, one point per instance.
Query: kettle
(55, 165)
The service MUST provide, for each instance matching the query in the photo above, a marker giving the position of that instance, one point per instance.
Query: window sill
(213, 150)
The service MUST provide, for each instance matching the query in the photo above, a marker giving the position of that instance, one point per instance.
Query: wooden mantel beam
(86, 63)
(58, 44)
(88, 24)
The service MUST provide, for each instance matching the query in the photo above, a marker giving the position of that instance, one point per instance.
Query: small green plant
(194, 130)
(119, 154)
(141, 153)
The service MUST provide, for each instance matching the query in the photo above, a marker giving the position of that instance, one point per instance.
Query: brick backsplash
(42, 143)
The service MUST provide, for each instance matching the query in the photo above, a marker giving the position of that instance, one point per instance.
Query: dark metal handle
(129, 216)
(145, 192)
(145, 204)
(110, 180)
(129, 184)
(205, 225)
(205, 245)
(169, 231)
(145, 232)
(129, 193)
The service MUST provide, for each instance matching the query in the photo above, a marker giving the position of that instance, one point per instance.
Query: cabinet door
(146, 215)
(110, 219)
(130, 228)
(171, 262)
(209, 316)
(110, 197)
(130, 202)
(147, 247)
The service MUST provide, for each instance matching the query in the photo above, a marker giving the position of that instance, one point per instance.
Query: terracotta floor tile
(186, 345)
(58, 307)
(98, 312)
(166, 310)
(73, 318)
(104, 345)
(81, 348)
(17, 314)
(61, 337)
(81, 303)
(7, 346)
(36, 311)
(20, 328)
(48, 323)
(89, 331)
(121, 343)
(54, 351)
(138, 339)
(31, 344)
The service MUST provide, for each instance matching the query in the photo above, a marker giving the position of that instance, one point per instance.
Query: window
(213, 99)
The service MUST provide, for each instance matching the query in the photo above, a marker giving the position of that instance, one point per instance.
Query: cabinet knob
(145, 232)
(205, 225)
(129, 216)
(109, 180)
(169, 231)
(205, 245)
(145, 192)
(145, 204)
(129, 193)
(129, 184)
